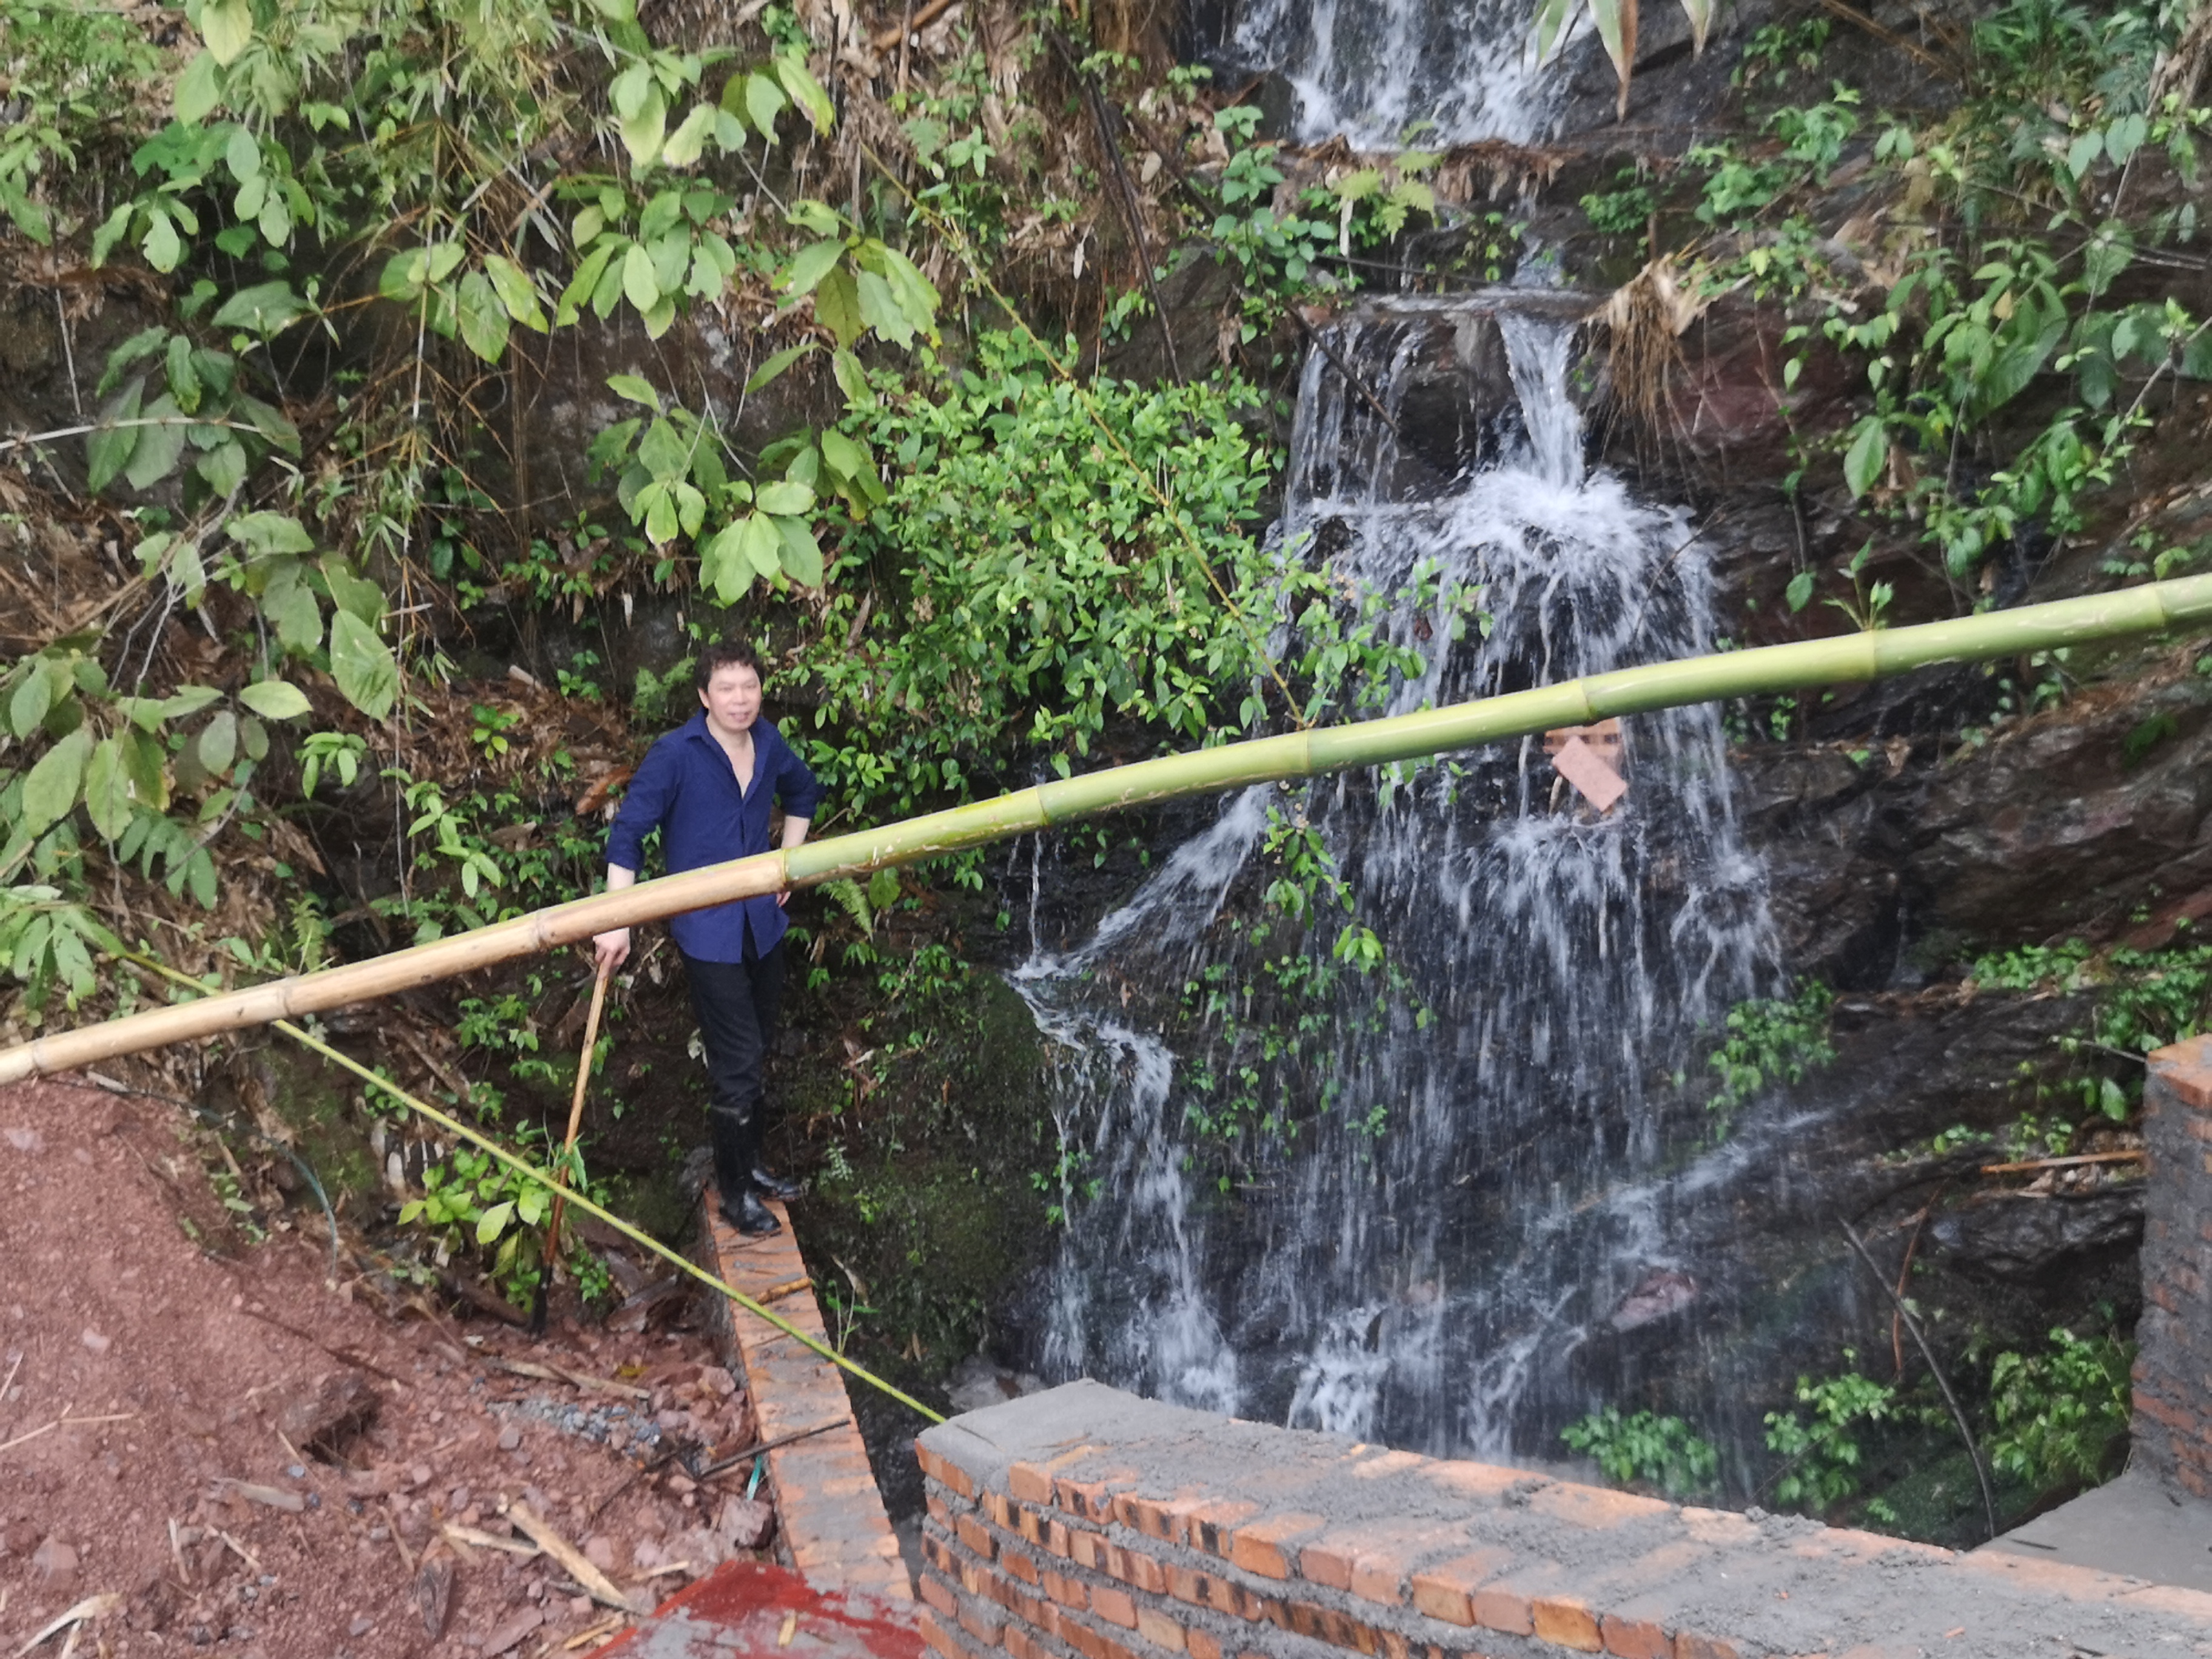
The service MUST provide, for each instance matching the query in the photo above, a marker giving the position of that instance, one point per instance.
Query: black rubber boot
(750, 1216)
(731, 1140)
(774, 1185)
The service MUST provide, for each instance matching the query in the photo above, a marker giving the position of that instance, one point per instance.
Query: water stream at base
(1493, 1181)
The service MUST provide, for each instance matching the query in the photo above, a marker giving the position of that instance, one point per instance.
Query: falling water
(1390, 72)
(1481, 1182)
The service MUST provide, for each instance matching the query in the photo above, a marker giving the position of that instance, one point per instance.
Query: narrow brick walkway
(830, 1515)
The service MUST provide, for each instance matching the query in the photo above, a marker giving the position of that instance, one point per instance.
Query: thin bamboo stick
(1846, 659)
(576, 1113)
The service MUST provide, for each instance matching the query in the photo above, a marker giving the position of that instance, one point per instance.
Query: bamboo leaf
(1700, 13)
(782, 360)
(1616, 27)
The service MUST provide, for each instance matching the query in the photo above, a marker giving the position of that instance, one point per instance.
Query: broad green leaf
(2083, 152)
(801, 553)
(837, 307)
(1799, 594)
(110, 446)
(218, 743)
(847, 458)
(781, 361)
(642, 131)
(290, 605)
(276, 700)
(270, 422)
(241, 153)
(806, 92)
(663, 452)
(493, 1222)
(879, 309)
(723, 566)
(2110, 251)
(363, 666)
(107, 790)
(266, 308)
(917, 295)
(223, 468)
(784, 496)
(809, 266)
(161, 245)
(690, 138)
(626, 92)
(160, 445)
(267, 533)
(50, 787)
(199, 88)
(404, 275)
(640, 286)
(817, 216)
(30, 217)
(764, 101)
(144, 762)
(187, 700)
(516, 291)
(26, 709)
(2125, 136)
(484, 321)
(660, 317)
(759, 543)
(851, 380)
(1864, 460)
(617, 11)
(631, 388)
(227, 25)
(351, 592)
(658, 500)
(2197, 354)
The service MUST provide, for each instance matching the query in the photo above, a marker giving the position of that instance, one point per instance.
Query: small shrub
(1658, 1451)
(2061, 1415)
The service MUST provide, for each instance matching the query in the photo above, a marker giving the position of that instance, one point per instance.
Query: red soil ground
(154, 1368)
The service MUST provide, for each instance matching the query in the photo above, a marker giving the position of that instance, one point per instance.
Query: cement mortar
(1767, 1583)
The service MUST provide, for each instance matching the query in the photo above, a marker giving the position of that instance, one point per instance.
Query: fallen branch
(1919, 1336)
(545, 1373)
(93, 1606)
(886, 39)
(766, 1446)
(595, 1583)
(2133, 1155)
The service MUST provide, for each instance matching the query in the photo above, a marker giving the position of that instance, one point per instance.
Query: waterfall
(1434, 1204)
(1386, 73)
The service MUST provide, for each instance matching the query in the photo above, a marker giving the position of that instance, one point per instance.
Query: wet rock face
(2093, 819)
(2026, 1236)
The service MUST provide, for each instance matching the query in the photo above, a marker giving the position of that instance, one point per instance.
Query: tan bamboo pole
(1845, 660)
(576, 1113)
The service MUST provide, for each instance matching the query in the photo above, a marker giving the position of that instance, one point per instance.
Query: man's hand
(612, 949)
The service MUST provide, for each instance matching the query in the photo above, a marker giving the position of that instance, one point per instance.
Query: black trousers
(736, 1004)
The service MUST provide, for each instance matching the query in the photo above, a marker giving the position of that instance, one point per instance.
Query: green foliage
(68, 67)
(1770, 1041)
(2062, 1415)
(1663, 1452)
(1042, 593)
(1819, 1446)
(485, 1211)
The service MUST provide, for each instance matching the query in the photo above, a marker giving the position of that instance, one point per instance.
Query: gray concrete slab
(2132, 1526)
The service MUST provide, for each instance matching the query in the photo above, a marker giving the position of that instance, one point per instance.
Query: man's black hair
(724, 653)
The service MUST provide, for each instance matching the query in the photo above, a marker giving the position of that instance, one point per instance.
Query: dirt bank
(255, 1458)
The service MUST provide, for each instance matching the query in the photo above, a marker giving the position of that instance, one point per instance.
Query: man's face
(733, 697)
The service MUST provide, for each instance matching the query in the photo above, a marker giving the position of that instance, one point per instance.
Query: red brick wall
(2173, 1361)
(1083, 1523)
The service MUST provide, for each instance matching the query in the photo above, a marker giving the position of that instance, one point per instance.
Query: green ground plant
(1646, 1448)
(2062, 1416)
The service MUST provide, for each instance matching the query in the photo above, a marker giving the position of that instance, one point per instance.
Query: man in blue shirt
(707, 787)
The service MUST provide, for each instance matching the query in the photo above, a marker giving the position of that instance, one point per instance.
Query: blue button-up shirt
(686, 788)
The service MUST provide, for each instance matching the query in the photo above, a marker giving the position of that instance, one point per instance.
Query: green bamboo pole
(560, 1190)
(1846, 659)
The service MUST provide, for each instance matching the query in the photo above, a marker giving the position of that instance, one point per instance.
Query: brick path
(829, 1515)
